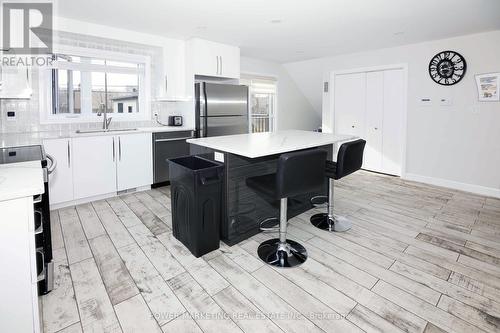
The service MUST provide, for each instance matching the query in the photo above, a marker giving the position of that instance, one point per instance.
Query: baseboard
(96, 198)
(476, 189)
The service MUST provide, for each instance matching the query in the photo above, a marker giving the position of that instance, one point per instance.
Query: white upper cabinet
(172, 83)
(94, 166)
(134, 161)
(15, 82)
(61, 179)
(213, 59)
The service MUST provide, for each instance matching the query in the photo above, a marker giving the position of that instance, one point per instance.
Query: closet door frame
(404, 128)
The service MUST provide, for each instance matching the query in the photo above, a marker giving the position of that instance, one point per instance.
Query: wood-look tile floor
(418, 259)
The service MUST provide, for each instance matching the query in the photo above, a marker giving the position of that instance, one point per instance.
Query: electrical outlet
(11, 115)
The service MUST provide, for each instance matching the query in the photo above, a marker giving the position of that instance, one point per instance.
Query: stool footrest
(269, 229)
(319, 201)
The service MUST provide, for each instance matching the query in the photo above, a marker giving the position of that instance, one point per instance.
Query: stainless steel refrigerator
(221, 109)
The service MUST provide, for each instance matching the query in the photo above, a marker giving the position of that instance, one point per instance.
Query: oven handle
(53, 163)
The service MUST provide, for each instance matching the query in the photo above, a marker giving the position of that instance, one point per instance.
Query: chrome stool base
(337, 224)
(288, 254)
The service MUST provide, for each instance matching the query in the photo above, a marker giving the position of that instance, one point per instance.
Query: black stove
(43, 241)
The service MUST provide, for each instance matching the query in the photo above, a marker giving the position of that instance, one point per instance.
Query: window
(85, 83)
(262, 96)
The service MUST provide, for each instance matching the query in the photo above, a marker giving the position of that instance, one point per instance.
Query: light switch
(425, 101)
(445, 101)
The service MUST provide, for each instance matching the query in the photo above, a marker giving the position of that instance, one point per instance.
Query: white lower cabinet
(92, 166)
(18, 286)
(61, 179)
(134, 166)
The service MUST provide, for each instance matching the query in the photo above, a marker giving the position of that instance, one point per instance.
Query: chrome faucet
(105, 120)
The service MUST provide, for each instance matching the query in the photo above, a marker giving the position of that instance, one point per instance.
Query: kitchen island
(249, 155)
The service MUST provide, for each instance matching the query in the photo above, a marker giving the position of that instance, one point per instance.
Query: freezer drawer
(167, 145)
(216, 126)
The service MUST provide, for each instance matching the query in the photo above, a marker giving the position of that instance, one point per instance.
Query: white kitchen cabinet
(173, 83)
(134, 166)
(18, 286)
(94, 166)
(213, 59)
(61, 179)
(15, 82)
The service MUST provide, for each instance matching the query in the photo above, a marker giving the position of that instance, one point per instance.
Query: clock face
(447, 68)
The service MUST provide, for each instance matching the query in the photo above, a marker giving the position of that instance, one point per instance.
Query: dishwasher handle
(173, 139)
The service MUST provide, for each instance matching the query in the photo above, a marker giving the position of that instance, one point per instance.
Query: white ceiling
(308, 29)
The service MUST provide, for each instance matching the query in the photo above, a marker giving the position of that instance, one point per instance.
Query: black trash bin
(196, 195)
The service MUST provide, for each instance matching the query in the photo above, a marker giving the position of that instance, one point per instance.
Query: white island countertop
(264, 144)
(19, 180)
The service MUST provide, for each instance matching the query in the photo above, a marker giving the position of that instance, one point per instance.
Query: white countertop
(19, 180)
(263, 144)
(36, 138)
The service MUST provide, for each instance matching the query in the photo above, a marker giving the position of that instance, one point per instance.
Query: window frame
(248, 79)
(144, 93)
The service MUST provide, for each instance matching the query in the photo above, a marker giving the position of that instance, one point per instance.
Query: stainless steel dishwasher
(167, 145)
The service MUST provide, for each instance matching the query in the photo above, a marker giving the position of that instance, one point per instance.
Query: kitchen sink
(106, 130)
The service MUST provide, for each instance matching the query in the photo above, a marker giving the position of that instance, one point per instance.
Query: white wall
(456, 146)
(294, 110)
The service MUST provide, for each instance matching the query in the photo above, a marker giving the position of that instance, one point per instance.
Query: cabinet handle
(220, 65)
(353, 126)
(69, 156)
(119, 149)
(113, 149)
(173, 139)
(217, 60)
(166, 84)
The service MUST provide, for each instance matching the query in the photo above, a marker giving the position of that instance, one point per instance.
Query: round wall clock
(447, 68)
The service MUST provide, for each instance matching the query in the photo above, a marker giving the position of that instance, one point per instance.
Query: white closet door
(394, 106)
(374, 120)
(350, 103)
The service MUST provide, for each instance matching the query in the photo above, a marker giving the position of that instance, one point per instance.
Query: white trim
(45, 90)
(404, 124)
(472, 188)
(260, 75)
(96, 198)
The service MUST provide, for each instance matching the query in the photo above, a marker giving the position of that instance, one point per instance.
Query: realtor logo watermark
(27, 33)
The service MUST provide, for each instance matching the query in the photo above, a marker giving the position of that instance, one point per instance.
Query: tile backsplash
(28, 111)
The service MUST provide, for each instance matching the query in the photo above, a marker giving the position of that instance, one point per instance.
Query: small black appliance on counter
(174, 120)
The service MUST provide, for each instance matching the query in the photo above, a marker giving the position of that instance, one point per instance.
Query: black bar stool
(298, 173)
(349, 160)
